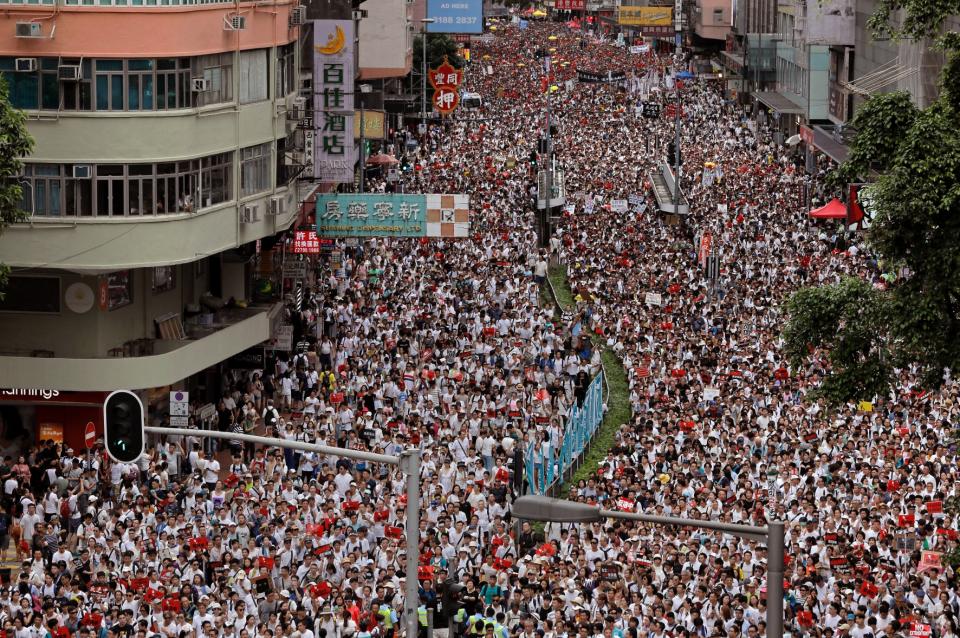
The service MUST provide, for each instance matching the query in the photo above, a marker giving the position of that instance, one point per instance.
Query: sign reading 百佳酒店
(386, 215)
(455, 16)
(334, 153)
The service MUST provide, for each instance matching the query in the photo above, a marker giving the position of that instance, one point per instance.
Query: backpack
(270, 418)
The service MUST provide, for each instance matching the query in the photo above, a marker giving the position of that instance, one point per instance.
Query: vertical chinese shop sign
(333, 105)
(446, 80)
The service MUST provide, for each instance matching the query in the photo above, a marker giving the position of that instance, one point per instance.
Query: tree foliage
(915, 234)
(15, 143)
(841, 320)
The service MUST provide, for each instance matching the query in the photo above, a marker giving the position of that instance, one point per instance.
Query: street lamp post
(423, 74)
(409, 464)
(364, 88)
(544, 508)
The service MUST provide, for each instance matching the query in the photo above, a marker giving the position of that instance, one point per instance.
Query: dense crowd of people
(451, 347)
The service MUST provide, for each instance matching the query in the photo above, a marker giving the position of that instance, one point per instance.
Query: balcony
(229, 332)
(116, 243)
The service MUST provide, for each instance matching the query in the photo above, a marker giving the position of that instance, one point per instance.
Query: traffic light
(123, 426)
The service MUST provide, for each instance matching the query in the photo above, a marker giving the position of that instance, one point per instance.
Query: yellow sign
(646, 16)
(51, 432)
(335, 43)
(373, 125)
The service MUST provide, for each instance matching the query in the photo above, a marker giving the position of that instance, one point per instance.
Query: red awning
(835, 209)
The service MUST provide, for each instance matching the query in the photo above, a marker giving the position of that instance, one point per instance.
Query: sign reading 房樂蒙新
(392, 215)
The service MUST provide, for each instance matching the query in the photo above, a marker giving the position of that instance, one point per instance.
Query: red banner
(306, 242)
(570, 5)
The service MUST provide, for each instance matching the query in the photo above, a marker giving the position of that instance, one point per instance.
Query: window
(118, 190)
(31, 294)
(286, 70)
(215, 179)
(255, 169)
(217, 70)
(109, 85)
(120, 85)
(164, 278)
(253, 76)
(119, 289)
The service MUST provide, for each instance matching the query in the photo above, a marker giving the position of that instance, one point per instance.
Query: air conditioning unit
(298, 15)
(235, 23)
(359, 14)
(249, 214)
(82, 171)
(276, 205)
(26, 65)
(29, 30)
(69, 72)
(300, 103)
(199, 85)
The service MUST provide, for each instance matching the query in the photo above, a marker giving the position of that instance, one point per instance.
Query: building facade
(164, 163)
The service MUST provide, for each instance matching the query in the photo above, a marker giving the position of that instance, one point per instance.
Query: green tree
(913, 159)
(15, 144)
(439, 46)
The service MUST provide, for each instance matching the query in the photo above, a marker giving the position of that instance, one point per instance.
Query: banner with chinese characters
(334, 153)
(570, 5)
(392, 215)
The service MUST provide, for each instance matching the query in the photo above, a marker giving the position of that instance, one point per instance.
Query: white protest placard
(721, 208)
(618, 205)
(653, 299)
(588, 207)
(709, 393)
(635, 200)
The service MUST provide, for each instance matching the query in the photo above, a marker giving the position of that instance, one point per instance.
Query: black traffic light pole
(123, 431)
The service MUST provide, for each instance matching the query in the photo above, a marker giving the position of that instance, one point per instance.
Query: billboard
(393, 215)
(374, 125)
(334, 153)
(570, 5)
(455, 16)
(646, 16)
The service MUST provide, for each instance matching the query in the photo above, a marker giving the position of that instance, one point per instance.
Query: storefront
(31, 415)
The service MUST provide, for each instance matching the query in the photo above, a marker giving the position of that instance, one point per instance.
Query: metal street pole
(677, 27)
(548, 163)
(423, 71)
(408, 462)
(544, 508)
(364, 89)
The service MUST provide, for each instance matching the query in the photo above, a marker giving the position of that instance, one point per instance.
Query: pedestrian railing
(549, 465)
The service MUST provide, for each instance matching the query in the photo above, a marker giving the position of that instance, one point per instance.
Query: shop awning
(826, 144)
(732, 61)
(777, 102)
(835, 209)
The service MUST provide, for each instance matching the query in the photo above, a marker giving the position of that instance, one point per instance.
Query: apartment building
(163, 170)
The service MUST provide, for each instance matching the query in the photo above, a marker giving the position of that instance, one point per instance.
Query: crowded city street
(477, 351)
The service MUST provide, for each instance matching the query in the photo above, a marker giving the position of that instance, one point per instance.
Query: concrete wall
(385, 40)
(714, 20)
(135, 372)
(830, 22)
(160, 136)
(871, 54)
(144, 32)
(115, 244)
(95, 332)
